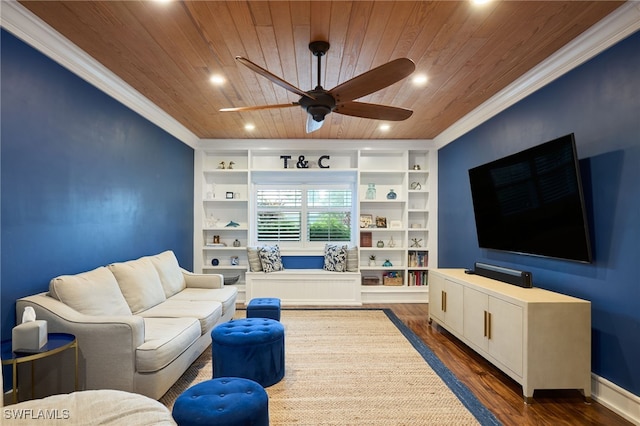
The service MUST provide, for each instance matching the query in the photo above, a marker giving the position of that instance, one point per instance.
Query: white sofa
(140, 324)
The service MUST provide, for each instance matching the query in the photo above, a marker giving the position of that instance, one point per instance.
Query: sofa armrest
(107, 344)
(203, 280)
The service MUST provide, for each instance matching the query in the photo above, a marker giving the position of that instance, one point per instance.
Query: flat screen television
(532, 203)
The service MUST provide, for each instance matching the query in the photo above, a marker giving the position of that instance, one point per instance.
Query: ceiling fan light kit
(318, 103)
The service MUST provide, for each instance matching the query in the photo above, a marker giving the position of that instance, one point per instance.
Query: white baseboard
(616, 399)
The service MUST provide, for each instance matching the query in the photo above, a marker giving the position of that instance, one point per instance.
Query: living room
(87, 181)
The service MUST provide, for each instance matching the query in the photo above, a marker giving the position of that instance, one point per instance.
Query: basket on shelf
(373, 280)
(392, 281)
(231, 280)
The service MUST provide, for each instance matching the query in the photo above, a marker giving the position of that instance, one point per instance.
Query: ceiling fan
(320, 102)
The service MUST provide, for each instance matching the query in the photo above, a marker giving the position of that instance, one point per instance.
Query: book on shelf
(418, 258)
(418, 278)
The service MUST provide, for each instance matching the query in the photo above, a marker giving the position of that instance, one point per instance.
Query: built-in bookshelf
(399, 219)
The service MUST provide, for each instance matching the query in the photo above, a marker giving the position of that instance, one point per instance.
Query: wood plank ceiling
(169, 51)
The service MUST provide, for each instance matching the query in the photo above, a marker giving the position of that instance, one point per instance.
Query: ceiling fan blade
(373, 80)
(374, 111)
(255, 108)
(313, 125)
(272, 77)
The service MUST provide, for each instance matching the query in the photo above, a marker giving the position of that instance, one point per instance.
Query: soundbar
(511, 276)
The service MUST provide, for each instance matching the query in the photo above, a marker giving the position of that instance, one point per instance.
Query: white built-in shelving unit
(409, 168)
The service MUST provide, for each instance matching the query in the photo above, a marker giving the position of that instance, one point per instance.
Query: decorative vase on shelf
(387, 263)
(391, 195)
(215, 262)
(236, 243)
(371, 192)
(380, 244)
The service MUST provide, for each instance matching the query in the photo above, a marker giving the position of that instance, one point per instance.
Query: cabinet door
(476, 306)
(506, 335)
(436, 289)
(454, 306)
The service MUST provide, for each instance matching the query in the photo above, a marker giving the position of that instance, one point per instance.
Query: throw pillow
(270, 259)
(352, 259)
(335, 258)
(255, 265)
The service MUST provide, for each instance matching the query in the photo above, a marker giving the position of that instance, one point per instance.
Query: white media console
(539, 338)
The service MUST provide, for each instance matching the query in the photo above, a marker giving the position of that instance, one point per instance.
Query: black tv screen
(532, 202)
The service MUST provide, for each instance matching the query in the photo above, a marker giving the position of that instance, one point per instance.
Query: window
(304, 215)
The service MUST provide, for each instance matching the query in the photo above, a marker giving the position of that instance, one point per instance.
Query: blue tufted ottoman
(227, 401)
(252, 348)
(264, 307)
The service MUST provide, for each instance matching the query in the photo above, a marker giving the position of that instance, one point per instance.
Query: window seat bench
(306, 287)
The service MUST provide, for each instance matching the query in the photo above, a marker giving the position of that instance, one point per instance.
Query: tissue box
(29, 336)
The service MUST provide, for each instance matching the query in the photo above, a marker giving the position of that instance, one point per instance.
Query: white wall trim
(19, 21)
(621, 23)
(616, 399)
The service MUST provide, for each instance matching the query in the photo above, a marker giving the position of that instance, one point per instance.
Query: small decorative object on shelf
(372, 260)
(417, 242)
(229, 195)
(231, 163)
(381, 222)
(391, 195)
(387, 263)
(231, 280)
(235, 260)
(371, 192)
(416, 167)
(232, 224)
(236, 243)
(221, 165)
(380, 244)
(215, 262)
(365, 239)
(391, 243)
(366, 220)
(416, 186)
(216, 239)
(392, 278)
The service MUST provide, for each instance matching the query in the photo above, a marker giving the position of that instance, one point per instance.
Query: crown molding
(22, 23)
(618, 25)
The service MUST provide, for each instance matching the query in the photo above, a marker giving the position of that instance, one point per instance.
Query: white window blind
(304, 213)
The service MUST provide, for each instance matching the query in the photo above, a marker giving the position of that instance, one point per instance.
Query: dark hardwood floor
(498, 392)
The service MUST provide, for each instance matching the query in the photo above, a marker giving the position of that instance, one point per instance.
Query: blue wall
(85, 181)
(599, 102)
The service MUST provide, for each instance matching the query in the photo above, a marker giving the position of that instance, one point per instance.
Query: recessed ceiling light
(480, 2)
(249, 127)
(384, 127)
(420, 80)
(217, 79)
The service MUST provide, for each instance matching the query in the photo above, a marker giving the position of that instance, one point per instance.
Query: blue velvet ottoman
(252, 348)
(227, 401)
(264, 307)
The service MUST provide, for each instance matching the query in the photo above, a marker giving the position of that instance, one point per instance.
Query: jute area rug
(348, 367)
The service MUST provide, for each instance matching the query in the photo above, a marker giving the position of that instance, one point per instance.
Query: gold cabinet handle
(489, 325)
(444, 301)
(485, 323)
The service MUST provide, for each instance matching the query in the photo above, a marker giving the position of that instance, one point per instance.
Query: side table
(56, 343)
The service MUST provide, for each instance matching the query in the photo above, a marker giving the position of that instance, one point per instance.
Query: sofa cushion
(94, 292)
(207, 312)
(164, 340)
(139, 282)
(226, 296)
(169, 271)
